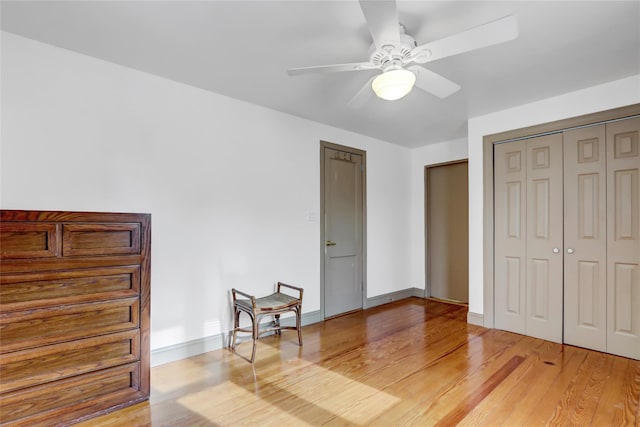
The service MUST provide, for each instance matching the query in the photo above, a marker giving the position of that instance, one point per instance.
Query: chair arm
(295, 288)
(250, 297)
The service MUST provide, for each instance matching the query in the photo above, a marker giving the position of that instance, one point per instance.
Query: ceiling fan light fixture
(394, 84)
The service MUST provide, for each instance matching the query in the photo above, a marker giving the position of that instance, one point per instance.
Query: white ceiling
(242, 49)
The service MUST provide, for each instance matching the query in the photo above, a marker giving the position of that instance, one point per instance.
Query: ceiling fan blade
(498, 31)
(356, 66)
(433, 83)
(382, 20)
(362, 96)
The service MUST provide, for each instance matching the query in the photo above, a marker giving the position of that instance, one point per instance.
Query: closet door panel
(544, 225)
(585, 237)
(623, 240)
(510, 239)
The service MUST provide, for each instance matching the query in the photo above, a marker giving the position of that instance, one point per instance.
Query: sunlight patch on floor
(337, 393)
(213, 403)
(307, 396)
(178, 375)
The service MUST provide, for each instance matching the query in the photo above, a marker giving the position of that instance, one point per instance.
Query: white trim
(160, 356)
(171, 353)
(394, 296)
(475, 319)
(536, 135)
(307, 319)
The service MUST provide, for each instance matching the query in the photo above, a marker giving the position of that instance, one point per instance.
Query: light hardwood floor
(413, 362)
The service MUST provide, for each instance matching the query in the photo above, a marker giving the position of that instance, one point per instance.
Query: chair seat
(275, 301)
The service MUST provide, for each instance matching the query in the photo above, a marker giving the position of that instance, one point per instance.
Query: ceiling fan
(397, 54)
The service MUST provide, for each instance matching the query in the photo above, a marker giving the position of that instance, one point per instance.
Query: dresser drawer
(31, 367)
(45, 326)
(100, 239)
(63, 401)
(28, 240)
(47, 289)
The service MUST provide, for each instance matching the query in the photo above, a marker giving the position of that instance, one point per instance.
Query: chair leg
(276, 324)
(236, 324)
(255, 337)
(299, 324)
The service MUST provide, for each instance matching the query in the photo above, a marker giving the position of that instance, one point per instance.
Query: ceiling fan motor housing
(392, 54)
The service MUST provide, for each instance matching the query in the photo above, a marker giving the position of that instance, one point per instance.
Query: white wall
(598, 98)
(388, 227)
(420, 157)
(230, 184)
(232, 187)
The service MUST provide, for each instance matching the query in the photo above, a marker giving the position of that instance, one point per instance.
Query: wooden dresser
(74, 314)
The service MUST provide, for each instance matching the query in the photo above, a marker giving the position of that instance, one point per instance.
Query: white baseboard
(160, 356)
(475, 319)
(307, 319)
(394, 296)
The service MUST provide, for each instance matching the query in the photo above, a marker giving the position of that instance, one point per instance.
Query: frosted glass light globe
(394, 84)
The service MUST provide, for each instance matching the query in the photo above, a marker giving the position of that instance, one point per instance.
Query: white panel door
(623, 238)
(510, 238)
(343, 216)
(544, 237)
(585, 235)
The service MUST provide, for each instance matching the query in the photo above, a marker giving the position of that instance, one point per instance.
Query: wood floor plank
(514, 388)
(545, 391)
(580, 400)
(413, 362)
(531, 384)
(618, 404)
(467, 405)
(462, 388)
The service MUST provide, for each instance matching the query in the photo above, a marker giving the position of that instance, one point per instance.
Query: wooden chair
(272, 305)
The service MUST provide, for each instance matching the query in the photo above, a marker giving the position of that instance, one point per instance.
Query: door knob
(329, 243)
(570, 251)
(556, 251)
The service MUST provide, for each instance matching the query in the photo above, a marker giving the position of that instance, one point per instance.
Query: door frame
(427, 241)
(488, 184)
(363, 154)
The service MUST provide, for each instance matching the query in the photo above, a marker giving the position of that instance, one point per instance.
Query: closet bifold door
(528, 237)
(585, 237)
(623, 240)
(544, 237)
(510, 239)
